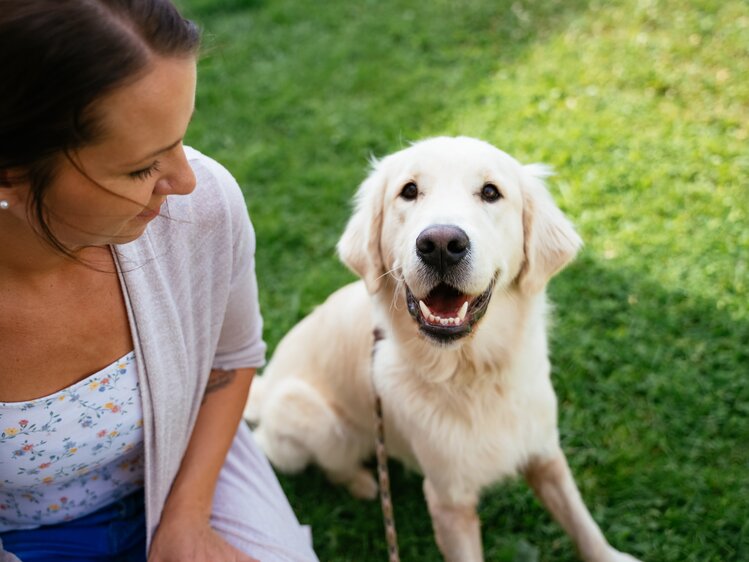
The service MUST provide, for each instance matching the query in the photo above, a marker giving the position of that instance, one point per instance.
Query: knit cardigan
(191, 295)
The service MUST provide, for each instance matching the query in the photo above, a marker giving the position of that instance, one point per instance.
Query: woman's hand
(190, 538)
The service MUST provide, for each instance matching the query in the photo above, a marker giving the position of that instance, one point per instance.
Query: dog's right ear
(550, 239)
(359, 246)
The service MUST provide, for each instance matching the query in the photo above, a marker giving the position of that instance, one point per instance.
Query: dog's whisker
(396, 296)
(399, 284)
(391, 272)
(399, 290)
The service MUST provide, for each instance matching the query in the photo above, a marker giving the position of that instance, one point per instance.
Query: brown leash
(383, 476)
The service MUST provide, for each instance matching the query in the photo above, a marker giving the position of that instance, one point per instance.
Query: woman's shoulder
(216, 204)
(214, 182)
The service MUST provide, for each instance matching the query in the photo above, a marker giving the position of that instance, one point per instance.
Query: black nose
(442, 246)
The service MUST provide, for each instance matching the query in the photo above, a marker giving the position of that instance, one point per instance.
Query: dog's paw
(363, 485)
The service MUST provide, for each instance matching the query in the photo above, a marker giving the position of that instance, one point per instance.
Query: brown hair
(57, 59)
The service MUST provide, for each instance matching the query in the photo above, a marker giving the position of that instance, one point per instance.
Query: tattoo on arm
(218, 380)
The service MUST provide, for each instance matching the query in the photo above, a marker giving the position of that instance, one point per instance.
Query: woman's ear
(12, 191)
(550, 240)
(359, 246)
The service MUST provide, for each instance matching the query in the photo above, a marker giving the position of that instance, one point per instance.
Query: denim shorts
(114, 533)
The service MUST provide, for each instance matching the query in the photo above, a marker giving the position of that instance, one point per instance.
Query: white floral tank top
(68, 454)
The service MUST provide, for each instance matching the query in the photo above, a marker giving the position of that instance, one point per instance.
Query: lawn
(642, 107)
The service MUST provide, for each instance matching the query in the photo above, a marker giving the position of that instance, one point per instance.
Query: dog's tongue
(445, 301)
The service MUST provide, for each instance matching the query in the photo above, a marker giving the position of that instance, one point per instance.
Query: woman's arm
(184, 533)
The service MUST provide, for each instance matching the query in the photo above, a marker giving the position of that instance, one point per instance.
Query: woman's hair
(57, 59)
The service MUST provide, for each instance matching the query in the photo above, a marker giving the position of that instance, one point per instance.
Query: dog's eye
(410, 191)
(490, 193)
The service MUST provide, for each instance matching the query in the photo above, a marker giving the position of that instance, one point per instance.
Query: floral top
(68, 454)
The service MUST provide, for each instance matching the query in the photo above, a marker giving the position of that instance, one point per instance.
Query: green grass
(643, 109)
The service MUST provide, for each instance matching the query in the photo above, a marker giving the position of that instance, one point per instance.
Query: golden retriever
(455, 242)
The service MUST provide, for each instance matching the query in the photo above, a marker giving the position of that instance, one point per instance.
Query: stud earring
(4, 205)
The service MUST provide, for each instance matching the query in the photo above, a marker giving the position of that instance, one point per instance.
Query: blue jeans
(115, 533)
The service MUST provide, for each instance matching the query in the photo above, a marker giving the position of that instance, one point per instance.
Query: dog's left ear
(550, 240)
(359, 246)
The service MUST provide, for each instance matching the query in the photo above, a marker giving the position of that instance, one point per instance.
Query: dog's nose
(442, 245)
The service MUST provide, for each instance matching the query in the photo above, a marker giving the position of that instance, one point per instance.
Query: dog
(454, 241)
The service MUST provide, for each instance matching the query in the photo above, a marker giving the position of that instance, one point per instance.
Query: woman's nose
(179, 178)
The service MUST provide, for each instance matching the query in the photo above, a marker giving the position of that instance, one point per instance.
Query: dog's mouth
(447, 314)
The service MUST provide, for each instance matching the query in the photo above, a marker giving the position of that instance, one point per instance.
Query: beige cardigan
(191, 295)
(189, 283)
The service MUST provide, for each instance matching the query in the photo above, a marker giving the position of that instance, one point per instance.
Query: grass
(642, 106)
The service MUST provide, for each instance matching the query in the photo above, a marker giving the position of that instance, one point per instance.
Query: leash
(386, 500)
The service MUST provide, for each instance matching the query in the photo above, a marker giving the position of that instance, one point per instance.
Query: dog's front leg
(456, 527)
(551, 480)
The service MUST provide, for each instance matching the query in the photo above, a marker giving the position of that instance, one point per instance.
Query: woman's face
(109, 191)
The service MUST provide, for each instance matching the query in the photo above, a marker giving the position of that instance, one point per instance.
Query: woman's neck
(25, 255)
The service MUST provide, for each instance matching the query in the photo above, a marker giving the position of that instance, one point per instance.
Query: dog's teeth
(425, 310)
(462, 312)
(434, 319)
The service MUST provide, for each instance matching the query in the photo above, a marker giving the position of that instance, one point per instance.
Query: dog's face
(455, 220)
(452, 229)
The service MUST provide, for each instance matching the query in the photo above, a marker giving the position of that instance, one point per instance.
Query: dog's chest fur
(479, 425)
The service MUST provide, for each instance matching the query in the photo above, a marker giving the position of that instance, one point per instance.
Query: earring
(4, 205)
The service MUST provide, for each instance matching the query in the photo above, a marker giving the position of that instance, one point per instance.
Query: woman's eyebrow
(160, 150)
(154, 153)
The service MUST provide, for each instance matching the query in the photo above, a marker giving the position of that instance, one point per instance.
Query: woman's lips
(150, 213)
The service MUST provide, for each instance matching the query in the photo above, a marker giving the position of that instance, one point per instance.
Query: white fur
(466, 413)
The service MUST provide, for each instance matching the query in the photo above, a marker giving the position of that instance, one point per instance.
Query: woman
(129, 323)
